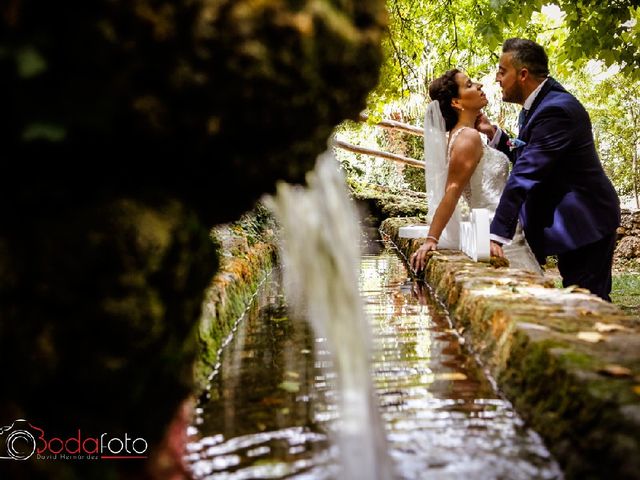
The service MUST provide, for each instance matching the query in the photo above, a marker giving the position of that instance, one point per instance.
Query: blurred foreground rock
(129, 128)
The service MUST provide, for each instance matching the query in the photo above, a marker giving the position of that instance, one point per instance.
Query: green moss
(248, 250)
(384, 202)
(573, 359)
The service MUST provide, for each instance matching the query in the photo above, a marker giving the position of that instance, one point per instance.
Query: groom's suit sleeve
(503, 145)
(551, 133)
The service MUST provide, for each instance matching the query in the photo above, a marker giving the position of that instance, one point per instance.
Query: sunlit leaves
(604, 30)
(612, 101)
(427, 38)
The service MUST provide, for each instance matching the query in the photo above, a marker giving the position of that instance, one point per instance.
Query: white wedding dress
(483, 191)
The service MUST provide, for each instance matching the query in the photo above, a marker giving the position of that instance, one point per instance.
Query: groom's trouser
(590, 266)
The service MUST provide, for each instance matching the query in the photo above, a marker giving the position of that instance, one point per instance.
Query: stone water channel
(271, 405)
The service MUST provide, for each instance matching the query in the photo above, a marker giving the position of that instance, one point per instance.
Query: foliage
(625, 292)
(615, 113)
(607, 31)
(254, 223)
(414, 177)
(384, 202)
(425, 39)
(360, 168)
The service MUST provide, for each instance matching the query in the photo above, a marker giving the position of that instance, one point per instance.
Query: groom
(557, 187)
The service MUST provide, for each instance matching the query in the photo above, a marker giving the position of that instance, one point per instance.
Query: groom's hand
(495, 249)
(483, 125)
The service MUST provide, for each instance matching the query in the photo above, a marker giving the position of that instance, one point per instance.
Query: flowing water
(292, 396)
(443, 417)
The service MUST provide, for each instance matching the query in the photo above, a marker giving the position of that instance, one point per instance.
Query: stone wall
(627, 252)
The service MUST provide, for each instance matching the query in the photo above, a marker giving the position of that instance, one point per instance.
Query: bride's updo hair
(443, 89)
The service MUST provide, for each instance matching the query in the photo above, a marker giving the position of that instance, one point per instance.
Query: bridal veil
(436, 171)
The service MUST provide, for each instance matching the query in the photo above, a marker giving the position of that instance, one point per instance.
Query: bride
(466, 166)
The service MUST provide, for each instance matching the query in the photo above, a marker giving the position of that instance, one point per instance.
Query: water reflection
(273, 401)
(261, 419)
(443, 418)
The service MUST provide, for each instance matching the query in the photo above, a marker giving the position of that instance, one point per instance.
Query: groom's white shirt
(496, 138)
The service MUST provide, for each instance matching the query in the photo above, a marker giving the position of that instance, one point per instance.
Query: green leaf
(44, 131)
(30, 63)
(290, 386)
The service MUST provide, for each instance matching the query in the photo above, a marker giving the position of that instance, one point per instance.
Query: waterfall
(320, 253)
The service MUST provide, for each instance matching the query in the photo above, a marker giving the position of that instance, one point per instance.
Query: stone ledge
(568, 361)
(247, 255)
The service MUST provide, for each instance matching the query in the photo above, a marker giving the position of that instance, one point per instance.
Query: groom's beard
(514, 95)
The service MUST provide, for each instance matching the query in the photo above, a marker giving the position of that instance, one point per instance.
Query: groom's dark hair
(443, 89)
(527, 53)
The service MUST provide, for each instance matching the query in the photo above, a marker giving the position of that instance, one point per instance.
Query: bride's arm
(465, 155)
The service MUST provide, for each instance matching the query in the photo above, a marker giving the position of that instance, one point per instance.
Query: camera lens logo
(17, 441)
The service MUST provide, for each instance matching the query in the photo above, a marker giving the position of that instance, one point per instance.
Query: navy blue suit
(557, 186)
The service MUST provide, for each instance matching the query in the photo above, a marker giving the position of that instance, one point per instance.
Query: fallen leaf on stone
(591, 337)
(451, 376)
(289, 386)
(636, 389)
(609, 327)
(615, 371)
(271, 401)
(575, 289)
(533, 326)
(499, 262)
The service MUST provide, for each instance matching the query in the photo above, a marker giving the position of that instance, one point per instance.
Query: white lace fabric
(488, 179)
(484, 190)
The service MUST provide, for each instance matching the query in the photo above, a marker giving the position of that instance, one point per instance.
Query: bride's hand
(483, 125)
(419, 259)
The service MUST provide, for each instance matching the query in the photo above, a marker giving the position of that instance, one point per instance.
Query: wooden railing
(393, 125)
(389, 125)
(377, 153)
